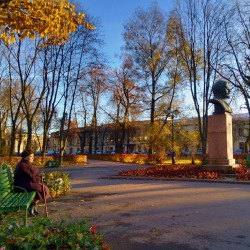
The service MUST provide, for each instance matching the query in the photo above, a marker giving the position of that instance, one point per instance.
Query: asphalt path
(148, 214)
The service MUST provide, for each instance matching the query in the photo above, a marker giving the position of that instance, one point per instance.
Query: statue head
(221, 90)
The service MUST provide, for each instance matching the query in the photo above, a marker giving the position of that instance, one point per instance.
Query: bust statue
(221, 92)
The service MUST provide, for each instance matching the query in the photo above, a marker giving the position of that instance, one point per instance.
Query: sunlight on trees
(53, 20)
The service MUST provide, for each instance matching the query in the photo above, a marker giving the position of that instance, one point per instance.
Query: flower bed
(185, 171)
(240, 157)
(242, 173)
(46, 234)
(177, 171)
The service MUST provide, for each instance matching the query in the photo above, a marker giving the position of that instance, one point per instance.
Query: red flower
(93, 229)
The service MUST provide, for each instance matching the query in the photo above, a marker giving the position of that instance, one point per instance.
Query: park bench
(13, 198)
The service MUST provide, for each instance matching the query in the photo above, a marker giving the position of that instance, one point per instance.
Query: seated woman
(27, 175)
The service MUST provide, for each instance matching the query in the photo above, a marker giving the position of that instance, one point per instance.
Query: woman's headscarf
(26, 153)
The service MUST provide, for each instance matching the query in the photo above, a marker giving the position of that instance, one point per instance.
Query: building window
(240, 132)
(70, 141)
(241, 145)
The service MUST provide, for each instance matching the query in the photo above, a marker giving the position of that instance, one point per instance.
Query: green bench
(12, 200)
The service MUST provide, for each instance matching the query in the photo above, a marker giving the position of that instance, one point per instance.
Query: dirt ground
(156, 214)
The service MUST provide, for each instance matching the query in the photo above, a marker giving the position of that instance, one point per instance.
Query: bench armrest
(21, 188)
(24, 191)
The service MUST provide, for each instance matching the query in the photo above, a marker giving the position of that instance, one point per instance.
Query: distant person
(221, 92)
(27, 176)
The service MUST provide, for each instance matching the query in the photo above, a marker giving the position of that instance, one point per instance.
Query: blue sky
(112, 15)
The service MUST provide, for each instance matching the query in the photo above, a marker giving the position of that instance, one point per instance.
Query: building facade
(241, 127)
(105, 139)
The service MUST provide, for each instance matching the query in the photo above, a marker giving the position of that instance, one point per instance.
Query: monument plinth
(220, 131)
(220, 143)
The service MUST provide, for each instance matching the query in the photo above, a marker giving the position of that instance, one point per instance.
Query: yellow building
(106, 137)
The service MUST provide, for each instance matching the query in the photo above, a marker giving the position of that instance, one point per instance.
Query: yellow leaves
(53, 20)
(154, 60)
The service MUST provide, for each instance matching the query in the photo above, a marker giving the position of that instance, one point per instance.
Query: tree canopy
(53, 20)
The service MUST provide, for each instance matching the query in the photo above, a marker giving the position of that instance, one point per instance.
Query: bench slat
(17, 200)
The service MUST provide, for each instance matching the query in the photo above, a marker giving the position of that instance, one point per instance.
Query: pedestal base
(219, 161)
(214, 168)
(220, 143)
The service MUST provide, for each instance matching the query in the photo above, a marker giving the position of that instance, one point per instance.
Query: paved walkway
(154, 214)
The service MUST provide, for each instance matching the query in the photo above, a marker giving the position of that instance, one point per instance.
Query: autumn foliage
(177, 171)
(187, 171)
(52, 20)
(13, 160)
(76, 159)
(242, 173)
(128, 158)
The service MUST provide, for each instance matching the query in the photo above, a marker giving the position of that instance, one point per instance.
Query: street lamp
(172, 114)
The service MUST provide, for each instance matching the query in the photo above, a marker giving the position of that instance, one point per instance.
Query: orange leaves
(177, 171)
(52, 20)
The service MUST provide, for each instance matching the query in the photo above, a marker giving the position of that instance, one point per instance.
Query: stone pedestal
(220, 143)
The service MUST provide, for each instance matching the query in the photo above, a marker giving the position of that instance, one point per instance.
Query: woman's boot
(32, 209)
(36, 209)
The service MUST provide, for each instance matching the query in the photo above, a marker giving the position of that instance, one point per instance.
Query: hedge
(13, 160)
(128, 158)
(40, 161)
(151, 158)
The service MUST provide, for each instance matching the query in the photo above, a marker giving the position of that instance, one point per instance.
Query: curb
(232, 181)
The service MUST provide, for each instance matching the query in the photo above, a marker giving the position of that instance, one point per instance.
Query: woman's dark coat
(27, 176)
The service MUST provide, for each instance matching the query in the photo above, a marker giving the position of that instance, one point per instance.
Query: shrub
(10, 160)
(204, 161)
(242, 173)
(79, 159)
(13, 160)
(46, 234)
(240, 158)
(40, 161)
(52, 164)
(70, 158)
(128, 158)
(57, 182)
